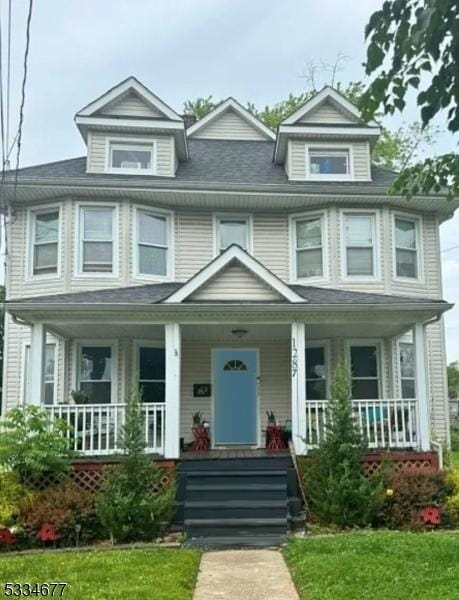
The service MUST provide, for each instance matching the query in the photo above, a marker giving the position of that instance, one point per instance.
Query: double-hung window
(407, 378)
(360, 245)
(365, 371)
(45, 242)
(152, 244)
(328, 163)
(96, 372)
(132, 158)
(316, 373)
(308, 248)
(96, 239)
(152, 373)
(406, 248)
(49, 374)
(232, 230)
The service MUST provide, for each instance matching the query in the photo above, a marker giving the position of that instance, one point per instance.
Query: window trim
(338, 146)
(381, 362)
(376, 245)
(401, 341)
(140, 343)
(24, 384)
(170, 226)
(31, 219)
(131, 143)
(218, 217)
(308, 216)
(113, 343)
(78, 267)
(325, 344)
(417, 219)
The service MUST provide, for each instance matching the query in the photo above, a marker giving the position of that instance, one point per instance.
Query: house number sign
(294, 359)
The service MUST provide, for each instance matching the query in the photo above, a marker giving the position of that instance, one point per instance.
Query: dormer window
(328, 162)
(132, 158)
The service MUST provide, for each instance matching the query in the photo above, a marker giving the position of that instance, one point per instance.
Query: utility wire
(8, 83)
(449, 249)
(2, 108)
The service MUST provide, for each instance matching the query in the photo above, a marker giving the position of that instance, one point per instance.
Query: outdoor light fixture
(240, 333)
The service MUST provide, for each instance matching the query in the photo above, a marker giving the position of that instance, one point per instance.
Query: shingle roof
(155, 293)
(211, 162)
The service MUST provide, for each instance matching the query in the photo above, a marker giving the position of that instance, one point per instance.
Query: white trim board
(234, 252)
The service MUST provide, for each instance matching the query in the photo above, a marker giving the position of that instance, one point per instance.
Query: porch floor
(233, 453)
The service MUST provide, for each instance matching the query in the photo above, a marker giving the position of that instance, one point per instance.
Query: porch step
(236, 478)
(249, 491)
(196, 528)
(236, 509)
(235, 542)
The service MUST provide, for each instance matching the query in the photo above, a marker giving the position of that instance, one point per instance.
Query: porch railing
(95, 429)
(386, 423)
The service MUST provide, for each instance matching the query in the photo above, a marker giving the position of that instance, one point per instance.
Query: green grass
(162, 574)
(376, 566)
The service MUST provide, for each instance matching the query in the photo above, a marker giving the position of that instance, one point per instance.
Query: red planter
(201, 439)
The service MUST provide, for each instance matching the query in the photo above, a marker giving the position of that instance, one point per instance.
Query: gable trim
(230, 103)
(234, 252)
(327, 93)
(121, 88)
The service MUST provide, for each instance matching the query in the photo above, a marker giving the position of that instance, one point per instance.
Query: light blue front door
(235, 413)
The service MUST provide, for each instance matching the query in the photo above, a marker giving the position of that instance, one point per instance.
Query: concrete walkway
(249, 574)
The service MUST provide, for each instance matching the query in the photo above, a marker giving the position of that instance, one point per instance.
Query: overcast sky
(254, 50)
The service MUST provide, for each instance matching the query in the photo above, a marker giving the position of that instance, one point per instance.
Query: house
(225, 269)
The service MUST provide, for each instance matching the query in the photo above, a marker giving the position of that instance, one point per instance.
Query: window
(232, 230)
(152, 236)
(406, 248)
(235, 365)
(407, 381)
(328, 162)
(97, 239)
(95, 373)
(316, 373)
(359, 239)
(49, 370)
(152, 373)
(365, 372)
(309, 248)
(45, 235)
(132, 158)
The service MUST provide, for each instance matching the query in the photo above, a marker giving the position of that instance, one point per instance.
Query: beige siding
(297, 162)
(326, 113)
(229, 126)
(131, 106)
(97, 151)
(270, 242)
(235, 283)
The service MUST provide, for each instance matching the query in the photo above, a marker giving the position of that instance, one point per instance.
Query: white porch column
(36, 366)
(173, 359)
(298, 372)
(421, 387)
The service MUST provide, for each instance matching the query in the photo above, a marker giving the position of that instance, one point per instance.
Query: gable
(229, 126)
(235, 283)
(327, 112)
(131, 105)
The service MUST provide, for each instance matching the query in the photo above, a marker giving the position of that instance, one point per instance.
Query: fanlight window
(235, 365)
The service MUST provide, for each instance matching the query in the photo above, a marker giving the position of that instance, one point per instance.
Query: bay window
(360, 245)
(97, 239)
(308, 234)
(45, 242)
(153, 244)
(406, 248)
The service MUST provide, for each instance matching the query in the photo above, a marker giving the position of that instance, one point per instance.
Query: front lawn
(376, 566)
(163, 574)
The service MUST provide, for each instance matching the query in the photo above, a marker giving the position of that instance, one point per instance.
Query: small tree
(130, 506)
(336, 488)
(32, 443)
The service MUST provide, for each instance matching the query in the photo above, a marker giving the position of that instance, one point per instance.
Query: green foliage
(12, 494)
(32, 443)
(337, 491)
(129, 506)
(413, 45)
(200, 107)
(272, 116)
(453, 380)
(455, 438)
(452, 502)
(64, 506)
(412, 491)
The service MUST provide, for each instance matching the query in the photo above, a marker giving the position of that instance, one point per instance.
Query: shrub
(337, 491)
(12, 493)
(127, 506)
(31, 443)
(452, 502)
(64, 506)
(411, 491)
(455, 438)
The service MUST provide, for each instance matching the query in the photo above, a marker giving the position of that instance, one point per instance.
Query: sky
(255, 50)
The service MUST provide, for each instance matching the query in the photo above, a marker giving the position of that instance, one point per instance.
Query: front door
(235, 384)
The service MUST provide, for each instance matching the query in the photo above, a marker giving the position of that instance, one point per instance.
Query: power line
(449, 249)
(8, 81)
(2, 108)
